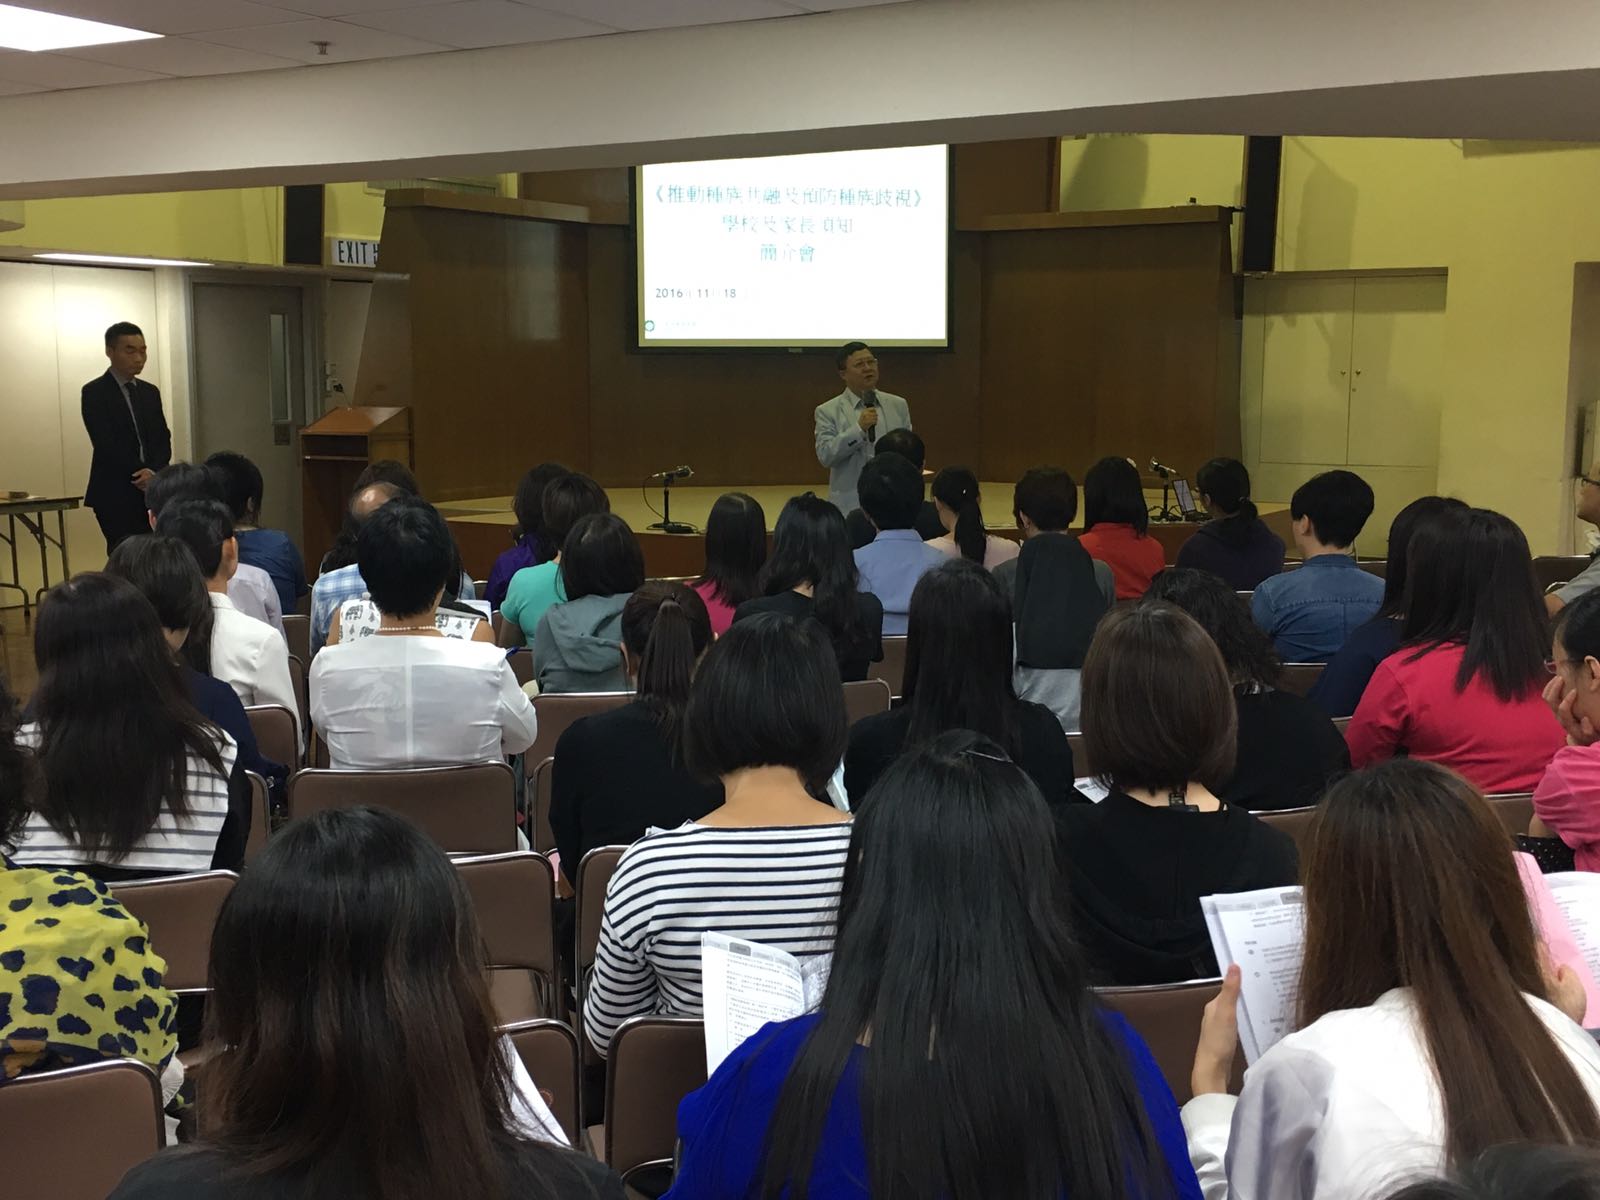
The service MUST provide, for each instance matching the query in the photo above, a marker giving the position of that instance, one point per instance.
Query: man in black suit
(130, 437)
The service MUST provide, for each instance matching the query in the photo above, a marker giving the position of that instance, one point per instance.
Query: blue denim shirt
(890, 566)
(1310, 612)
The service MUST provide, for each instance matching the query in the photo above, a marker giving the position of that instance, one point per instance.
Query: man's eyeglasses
(1553, 666)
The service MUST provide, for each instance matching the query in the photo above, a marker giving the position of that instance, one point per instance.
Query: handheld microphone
(1161, 469)
(683, 472)
(871, 401)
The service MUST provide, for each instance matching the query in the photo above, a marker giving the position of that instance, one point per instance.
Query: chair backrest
(892, 670)
(520, 661)
(514, 896)
(180, 911)
(297, 632)
(297, 678)
(593, 878)
(559, 710)
(1247, 595)
(549, 1050)
(1299, 677)
(1081, 765)
(541, 784)
(1374, 566)
(1296, 822)
(45, 1119)
(1342, 724)
(260, 816)
(1515, 810)
(654, 1063)
(468, 809)
(1558, 568)
(1167, 1016)
(480, 588)
(866, 697)
(273, 725)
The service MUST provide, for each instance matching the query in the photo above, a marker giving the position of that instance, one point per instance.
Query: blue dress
(723, 1126)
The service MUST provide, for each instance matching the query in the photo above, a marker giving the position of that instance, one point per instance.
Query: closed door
(1305, 384)
(250, 392)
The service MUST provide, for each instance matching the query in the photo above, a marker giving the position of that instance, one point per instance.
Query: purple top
(528, 552)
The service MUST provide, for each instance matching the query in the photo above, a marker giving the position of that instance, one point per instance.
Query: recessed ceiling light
(30, 29)
(120, 260)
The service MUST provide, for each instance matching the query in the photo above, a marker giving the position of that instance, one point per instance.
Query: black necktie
(127, 394)
(870, 400)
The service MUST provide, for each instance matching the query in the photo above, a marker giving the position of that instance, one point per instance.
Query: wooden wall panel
(604, 191)
(995, 178)
(746, 416)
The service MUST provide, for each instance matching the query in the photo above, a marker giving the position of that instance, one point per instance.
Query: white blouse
(417, 701)
(1347, 1108)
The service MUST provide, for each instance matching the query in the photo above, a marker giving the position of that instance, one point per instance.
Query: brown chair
(479, 588)
(549, 1050)
(73, 1134)
(297, 677)
(273, 725)
(1515, 810)
(521, 662)
(468, 809)
(559, 710)
(1081, 765)
(297, 632)
(1374, 566)
(514, 896)
(654, 1063)
(1167, 1016)
(1299, 677)
(1562, 568)
(1296, 822)
(180, 911)
(1246, 596)
(260, 816)
(1342, 724)
(540, 786)
(866, 698)
(892, 670)
(593, 878)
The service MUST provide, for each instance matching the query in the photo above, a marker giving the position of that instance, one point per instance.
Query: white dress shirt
(843, 446)
(400, 701)
(1348, 1108)
(251, 657)
(255, 595)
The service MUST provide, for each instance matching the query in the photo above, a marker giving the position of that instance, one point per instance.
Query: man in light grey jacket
(847, 426)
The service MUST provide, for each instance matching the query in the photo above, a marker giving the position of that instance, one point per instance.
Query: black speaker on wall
(1263, 160)
(302, 225)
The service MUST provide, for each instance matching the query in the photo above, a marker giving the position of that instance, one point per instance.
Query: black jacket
(116, 442)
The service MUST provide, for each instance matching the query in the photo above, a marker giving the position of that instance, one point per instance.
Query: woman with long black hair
(736, 550)
(994, 1075)
(1116, 526)
(811, 574)
(960, 507)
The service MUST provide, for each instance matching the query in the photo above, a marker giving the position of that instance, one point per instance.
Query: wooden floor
(16, 646)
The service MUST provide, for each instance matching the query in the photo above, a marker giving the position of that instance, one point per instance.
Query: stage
(482, 527)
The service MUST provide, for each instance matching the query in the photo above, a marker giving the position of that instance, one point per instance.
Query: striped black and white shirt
(170, 846)
(777, 886)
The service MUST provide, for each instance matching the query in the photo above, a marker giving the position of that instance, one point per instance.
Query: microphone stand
(667, 524)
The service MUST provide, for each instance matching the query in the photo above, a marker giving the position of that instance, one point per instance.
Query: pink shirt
(1134, 560)
(1568, 801)
(996, 550)
(1413, 707)
(720, 612)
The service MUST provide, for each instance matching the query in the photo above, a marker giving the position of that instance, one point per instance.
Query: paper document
(1091, 788)
(1264, 932)
(745, 985)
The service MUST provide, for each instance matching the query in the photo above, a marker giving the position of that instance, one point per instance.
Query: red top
(1134, 559)
(1413, 707)
(720, 612)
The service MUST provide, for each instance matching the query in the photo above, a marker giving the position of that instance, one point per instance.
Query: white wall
(55, 317)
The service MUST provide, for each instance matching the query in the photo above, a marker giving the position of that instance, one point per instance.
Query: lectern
(333, 453)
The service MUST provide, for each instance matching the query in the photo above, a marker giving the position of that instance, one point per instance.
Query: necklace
(406, 629)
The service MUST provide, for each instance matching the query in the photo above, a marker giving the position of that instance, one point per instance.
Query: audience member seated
(251, 589)
(354, 1048)
(530, 542)
(890, 565)
(1338, 689)
(1310, 612)
(166, 575)
(535, 590)
(811, 574)
(1464, 688)
(1567, 800)
(65, 941)
(270, 550)
(960, 508)
(1160, 728)
(407, 695)
(959, 1050)
(577, 646)
(134, 780)
(245, 653)
(1058, 594)
(1588, 579)
(908, 445)
(1235, 544)
(736, 550)
(958, 676)
(621, 772)
(340, 579)
(1116, 526)
(1288, 749)
(1431, 1025)
(766, 717)
(1517, 1172)
(1045, 500)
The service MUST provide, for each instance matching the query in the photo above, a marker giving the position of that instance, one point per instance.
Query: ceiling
(220, 37)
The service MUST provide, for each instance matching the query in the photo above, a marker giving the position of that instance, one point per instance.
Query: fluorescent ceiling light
(30, 29)
(121, 260)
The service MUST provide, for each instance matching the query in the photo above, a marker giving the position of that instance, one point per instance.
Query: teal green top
(532, 590)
